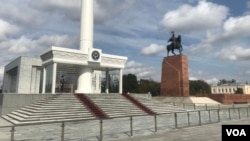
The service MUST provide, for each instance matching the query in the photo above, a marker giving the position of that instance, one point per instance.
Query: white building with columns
(63, 59)
(29, 75)
(230, 88)
(80, 67)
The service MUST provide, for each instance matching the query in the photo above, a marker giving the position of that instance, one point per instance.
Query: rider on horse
(176, 43)
(173, 39)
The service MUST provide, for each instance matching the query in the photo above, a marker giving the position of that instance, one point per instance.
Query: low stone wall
(148, 95)
(230, 98)
(12, 102)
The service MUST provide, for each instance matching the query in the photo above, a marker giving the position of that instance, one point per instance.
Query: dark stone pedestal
(174, 78)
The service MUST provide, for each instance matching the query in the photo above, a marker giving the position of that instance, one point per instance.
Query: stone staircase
(115, 105)
(139, 104)
(91, 106)
(69, 107)
(56, 108)
(157, 106)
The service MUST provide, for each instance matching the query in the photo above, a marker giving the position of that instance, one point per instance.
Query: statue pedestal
(174, 78)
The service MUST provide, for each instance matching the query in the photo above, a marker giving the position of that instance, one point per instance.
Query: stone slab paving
(4, 123)
(119, 128)
(209, 132)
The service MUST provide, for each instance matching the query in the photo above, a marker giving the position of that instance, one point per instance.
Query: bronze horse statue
(176, 44)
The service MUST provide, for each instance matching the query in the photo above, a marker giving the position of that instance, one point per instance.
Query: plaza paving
(210, 132)
(118, 129)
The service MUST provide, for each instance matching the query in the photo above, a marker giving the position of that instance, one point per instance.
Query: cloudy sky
(215, 33)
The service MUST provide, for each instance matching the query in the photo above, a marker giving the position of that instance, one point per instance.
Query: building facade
(22, 75)
(25, 75)
(230, 88)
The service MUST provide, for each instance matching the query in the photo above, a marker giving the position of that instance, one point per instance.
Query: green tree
(199, 87)
(239, 91)
(224, 81)
(130, 83)
(151, 86)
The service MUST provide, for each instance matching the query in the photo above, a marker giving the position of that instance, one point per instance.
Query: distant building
(230, 88)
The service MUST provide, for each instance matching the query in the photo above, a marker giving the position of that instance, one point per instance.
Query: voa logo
(236, 132)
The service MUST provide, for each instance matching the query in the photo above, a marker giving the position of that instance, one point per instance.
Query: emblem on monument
(175, 44)
(95, 55)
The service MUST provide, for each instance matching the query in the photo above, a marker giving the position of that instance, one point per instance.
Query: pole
(239, 112)
(155, 117)
(12, 133)
(229, 113)
(199, 117)
(209, 114)
(62, 136)
(131, 126)
(247, 112)
(101, 129)
(218, 115)
(175, 118)
(87, 26)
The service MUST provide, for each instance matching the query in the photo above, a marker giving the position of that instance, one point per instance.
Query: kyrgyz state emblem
(95, 55)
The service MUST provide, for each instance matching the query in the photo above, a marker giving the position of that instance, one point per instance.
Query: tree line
(132, 85)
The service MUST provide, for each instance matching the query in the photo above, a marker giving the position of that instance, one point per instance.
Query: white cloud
(235, 28)
(189, 18)
(7, 29)
(212, 81)
(22, 45)
(192, 78)
(64, 8)
(28, 46)
(106, 9)
(140, 70)
(247, 72)
(233, 53)
(201, 48)
(21, 14)
(248, 4)
(103, 9)
(57, 40)
(152, 49)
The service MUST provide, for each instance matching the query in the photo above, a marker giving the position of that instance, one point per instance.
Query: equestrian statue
(175, 44)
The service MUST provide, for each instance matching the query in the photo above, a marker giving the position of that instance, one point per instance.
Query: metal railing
(205, 106)
(174, 120)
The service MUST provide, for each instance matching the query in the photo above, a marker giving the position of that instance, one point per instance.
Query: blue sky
(215, 33)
